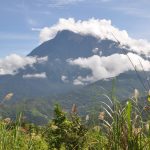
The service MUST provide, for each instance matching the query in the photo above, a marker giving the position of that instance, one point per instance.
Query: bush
(65, 132)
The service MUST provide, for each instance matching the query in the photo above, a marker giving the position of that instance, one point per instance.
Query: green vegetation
(20, 136)
(117, 127)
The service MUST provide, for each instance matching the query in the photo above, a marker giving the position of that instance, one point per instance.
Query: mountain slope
(38, 87)
(59, 73)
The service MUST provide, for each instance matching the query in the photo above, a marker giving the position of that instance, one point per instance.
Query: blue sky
(18, 17)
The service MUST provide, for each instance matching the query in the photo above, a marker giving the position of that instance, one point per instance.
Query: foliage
(116, 127)
(15, 137)
(65, 132)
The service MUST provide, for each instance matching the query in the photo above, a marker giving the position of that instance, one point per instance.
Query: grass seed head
(147, 127)
(136, 94)
(136, 131)
(7, 120)
(149, 92)
(101, 115)
(96, 128)
(8, 96)
(146, 108)
(74, 108)
(87, 117)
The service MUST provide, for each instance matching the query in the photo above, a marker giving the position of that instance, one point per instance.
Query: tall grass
(121, 127)
(14, 137)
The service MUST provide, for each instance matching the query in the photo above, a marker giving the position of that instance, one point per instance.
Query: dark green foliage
(65, 132)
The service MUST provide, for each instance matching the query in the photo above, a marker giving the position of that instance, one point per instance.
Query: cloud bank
(102, 67)
(101, 29)
(10, 64)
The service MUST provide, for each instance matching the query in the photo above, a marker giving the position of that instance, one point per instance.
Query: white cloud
(101, 29)
(106, 67)
(37, 75)
(95, 50)
(79, 81)
(64, 78)
(10, 64)
(36, 29)
(41, 59)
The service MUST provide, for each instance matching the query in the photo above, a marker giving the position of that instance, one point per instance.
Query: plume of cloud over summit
(102, 29)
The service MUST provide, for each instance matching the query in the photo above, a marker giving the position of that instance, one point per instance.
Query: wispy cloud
(64, 79)
(36, 75)
(36, 29)
(133, 11)
(133, 8)
(58, 3)
(66, 2)
(62, 3)
(32, 22)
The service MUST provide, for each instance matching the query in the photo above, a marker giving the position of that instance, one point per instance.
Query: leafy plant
(65, 132)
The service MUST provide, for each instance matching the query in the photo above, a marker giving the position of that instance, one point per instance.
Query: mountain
(36, 88)
(66, 45)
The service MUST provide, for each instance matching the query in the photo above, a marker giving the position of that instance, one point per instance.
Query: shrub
(65, 132)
